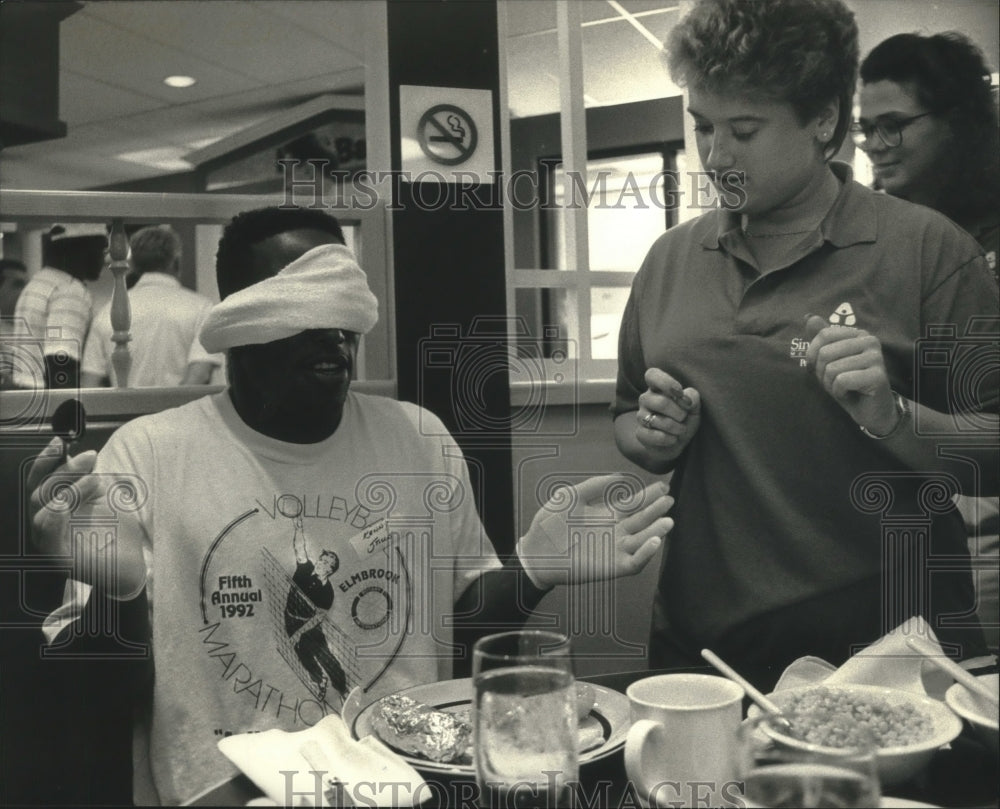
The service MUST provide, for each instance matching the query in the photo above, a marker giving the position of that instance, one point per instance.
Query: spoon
(69, 422)
(949, 666)
(762, 702)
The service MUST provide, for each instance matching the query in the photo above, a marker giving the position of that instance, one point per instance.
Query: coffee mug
(681, 748)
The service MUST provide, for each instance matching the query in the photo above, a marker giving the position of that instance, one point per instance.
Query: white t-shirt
(166, 319)
(243, 638)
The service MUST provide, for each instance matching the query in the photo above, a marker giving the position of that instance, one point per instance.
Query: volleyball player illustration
(309, 598)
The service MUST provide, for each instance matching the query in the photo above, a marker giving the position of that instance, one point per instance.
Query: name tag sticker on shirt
(373, 539)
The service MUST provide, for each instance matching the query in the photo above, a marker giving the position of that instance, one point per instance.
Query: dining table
(962, 775)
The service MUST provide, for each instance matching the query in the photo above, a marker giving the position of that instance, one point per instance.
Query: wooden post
(121, 311)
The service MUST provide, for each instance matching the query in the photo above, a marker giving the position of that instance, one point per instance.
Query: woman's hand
(668, 415)
(848, 363)
(599, 529)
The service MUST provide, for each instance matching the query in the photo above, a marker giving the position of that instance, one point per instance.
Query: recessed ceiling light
(179, 81)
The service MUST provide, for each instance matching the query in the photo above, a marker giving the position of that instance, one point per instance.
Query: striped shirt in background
(52, 317)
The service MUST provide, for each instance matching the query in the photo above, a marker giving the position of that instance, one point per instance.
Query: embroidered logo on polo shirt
(843, 315)
(798, 350)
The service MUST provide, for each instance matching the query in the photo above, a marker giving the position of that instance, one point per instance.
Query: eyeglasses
(890, 130)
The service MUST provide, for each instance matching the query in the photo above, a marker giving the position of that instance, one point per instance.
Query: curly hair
(950, 78)
(800, 52)
(233, 260)
(154, 249)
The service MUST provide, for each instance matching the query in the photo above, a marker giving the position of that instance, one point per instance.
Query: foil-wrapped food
(419, 730)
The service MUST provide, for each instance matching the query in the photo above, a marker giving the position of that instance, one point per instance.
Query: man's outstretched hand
(57, 488)
(61, 491)
(602, 528)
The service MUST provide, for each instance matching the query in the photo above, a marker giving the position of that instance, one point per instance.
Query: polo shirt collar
(850, 220)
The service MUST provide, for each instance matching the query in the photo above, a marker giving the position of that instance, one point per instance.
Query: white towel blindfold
(323, 288)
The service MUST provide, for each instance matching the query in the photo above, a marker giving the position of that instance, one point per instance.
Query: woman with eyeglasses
(928, 122)
(767, 359)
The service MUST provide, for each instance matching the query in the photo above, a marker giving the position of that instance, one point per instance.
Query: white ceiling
(254, 59)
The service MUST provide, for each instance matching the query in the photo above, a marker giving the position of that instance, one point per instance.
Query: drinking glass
(525, 721)
(778, 771)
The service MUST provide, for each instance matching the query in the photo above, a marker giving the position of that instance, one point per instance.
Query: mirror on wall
(170, 285)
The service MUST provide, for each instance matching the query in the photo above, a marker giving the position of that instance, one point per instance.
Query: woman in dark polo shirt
(794, 357)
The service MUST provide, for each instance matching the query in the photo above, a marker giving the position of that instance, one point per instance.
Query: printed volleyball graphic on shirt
(315, 647)
(329, 583)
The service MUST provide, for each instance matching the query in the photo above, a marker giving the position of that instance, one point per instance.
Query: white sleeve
(124, 454)
(75, 597)
(68, 320)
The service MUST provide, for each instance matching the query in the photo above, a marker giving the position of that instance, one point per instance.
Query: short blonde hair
(800, 52)
(154, 249)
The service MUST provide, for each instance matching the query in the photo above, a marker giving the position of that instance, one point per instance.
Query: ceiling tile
(89, 46)
(228, 35)
(620, 65)
(532, 75)
(342, 24)
(83, 99)
(659, 25)
(591, 10)
(526, 17)
(529, 16)
(642, 6)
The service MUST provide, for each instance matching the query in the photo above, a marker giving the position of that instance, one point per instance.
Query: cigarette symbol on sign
(447, 134)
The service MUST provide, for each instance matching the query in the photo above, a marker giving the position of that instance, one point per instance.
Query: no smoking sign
(445, 131)
(447, 134)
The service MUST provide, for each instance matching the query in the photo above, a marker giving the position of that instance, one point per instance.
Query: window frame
(594, 379)
(581, 281)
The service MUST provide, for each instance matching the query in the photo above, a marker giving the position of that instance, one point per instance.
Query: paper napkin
(888, 662)
(324, 766)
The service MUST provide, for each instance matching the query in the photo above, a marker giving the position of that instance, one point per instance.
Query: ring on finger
(647, 420)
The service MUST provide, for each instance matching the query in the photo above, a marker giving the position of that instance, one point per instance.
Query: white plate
(608, 719)
(971, 706)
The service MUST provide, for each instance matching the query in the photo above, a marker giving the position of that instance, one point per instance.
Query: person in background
(13, 277)
(166, 318)
(55, 308)
(766, 356)
(378, 482)
(928, 123)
